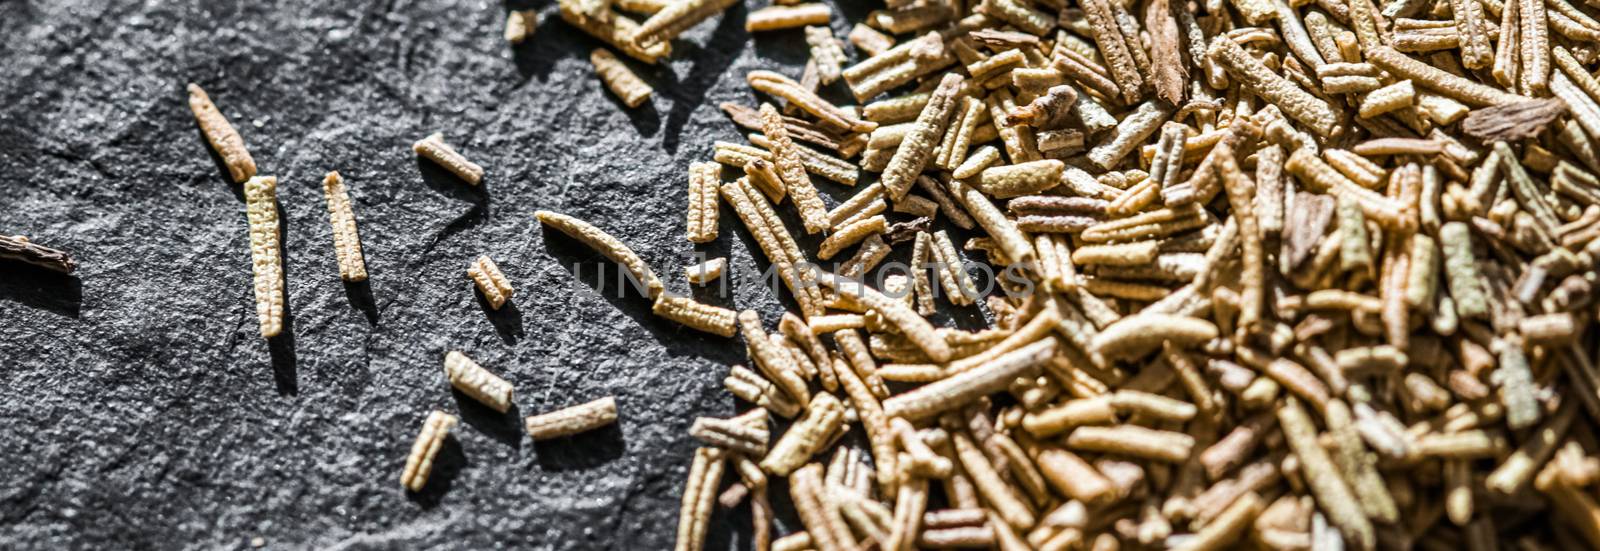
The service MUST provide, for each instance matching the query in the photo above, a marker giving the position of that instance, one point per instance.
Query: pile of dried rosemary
(1309, 275)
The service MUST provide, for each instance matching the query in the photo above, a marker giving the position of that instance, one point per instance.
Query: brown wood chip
(1512, 121)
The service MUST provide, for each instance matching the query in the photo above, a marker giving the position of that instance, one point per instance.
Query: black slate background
(141, 409)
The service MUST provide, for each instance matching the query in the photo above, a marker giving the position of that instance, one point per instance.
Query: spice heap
(1309, 275)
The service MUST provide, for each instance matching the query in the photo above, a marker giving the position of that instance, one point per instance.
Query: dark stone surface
(140, 406)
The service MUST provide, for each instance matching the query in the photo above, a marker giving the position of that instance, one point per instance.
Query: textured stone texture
(141, 407)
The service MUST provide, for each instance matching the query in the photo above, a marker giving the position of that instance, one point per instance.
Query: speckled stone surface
(142, 409)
